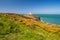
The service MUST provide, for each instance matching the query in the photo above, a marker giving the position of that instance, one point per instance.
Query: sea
(49, 18)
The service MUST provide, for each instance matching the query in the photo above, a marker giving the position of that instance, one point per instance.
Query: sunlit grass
(15, 30)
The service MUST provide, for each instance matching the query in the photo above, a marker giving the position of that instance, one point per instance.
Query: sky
(33, 6)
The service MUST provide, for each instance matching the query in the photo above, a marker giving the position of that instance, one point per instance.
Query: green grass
(15, 30)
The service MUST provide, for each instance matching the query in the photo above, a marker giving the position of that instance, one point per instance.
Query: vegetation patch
(14, 27)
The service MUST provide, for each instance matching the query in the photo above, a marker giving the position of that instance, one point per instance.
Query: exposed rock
(31, 16)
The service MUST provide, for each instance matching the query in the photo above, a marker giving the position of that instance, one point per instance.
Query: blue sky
(34, 6)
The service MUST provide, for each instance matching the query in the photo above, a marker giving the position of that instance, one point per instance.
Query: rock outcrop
(33, 17)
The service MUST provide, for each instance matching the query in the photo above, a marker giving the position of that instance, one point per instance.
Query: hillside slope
(18, 27)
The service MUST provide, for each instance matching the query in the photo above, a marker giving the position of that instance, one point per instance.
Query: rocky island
(26, 27)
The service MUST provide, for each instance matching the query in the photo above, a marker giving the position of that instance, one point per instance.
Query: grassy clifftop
(18, 27)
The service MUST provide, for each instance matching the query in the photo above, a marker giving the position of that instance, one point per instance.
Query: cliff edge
(26, 27)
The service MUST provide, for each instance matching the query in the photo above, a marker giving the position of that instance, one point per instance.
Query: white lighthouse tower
(30, 13)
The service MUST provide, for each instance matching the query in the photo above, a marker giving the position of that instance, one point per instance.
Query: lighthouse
(30, 13)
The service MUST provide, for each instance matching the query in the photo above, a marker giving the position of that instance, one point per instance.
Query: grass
(15, 30)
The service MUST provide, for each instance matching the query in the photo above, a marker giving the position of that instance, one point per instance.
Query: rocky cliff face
(33, 17)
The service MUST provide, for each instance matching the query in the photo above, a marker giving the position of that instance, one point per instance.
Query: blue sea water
(50, 18)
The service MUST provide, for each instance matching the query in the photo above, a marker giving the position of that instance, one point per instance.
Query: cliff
(26, 27)
(31, 16)
(31, 20)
